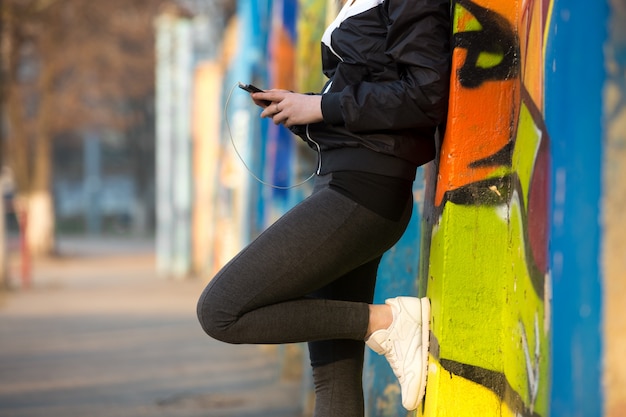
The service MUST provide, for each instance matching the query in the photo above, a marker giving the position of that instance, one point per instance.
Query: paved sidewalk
(99, 335)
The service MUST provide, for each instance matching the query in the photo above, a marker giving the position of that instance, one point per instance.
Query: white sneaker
(405, 346)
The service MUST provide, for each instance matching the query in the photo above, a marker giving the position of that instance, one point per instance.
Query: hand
(290, 108)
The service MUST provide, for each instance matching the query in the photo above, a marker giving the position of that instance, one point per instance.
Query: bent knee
(215, 320)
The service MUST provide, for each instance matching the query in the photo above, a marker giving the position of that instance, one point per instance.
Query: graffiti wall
(488, 277)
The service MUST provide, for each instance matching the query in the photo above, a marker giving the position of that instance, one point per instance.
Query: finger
(277, 119)
(267, 112)
(261, 103)
(280, 118)
(270, 95)
(270, 110)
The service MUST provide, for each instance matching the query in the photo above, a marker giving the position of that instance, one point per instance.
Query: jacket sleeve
(418, 41)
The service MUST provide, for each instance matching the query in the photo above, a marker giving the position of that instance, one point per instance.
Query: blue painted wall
(574, 83)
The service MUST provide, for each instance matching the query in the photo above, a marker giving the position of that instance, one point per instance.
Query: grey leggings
(308, 278)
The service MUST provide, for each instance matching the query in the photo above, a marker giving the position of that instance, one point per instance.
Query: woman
(310, 276)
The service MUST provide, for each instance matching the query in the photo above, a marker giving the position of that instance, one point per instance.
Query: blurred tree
(70, 67)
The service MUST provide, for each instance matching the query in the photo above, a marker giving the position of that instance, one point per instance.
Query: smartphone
(253, 89)
(250, 88)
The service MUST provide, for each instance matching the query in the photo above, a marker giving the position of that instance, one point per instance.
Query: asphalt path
(98, 334)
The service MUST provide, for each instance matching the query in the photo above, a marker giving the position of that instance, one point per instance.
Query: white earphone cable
(232, 141)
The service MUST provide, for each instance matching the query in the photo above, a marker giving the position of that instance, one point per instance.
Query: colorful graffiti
(488, 277)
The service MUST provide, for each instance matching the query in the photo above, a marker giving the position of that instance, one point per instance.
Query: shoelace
(393, 360)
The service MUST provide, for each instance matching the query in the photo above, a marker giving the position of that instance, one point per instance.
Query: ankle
(380, 318)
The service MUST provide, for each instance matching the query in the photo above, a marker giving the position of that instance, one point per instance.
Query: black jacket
(388, 67)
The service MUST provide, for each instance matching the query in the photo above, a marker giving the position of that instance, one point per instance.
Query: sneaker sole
(425, 308)
(425, 347)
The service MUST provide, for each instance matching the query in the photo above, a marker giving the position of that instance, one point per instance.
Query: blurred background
(119, 131)
(118, 120)
(127, 157)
